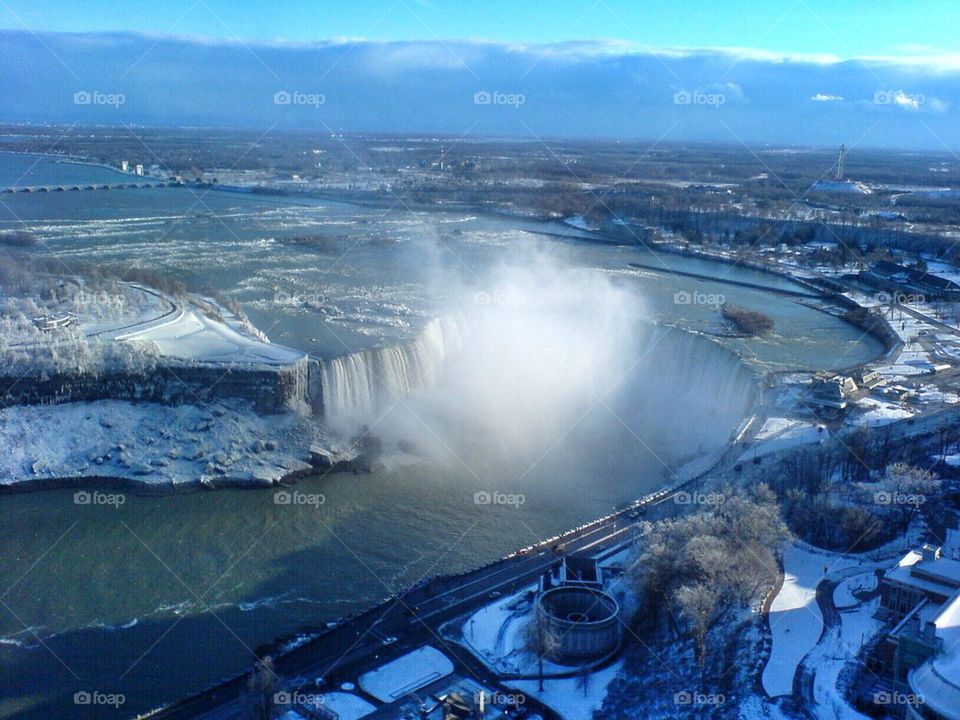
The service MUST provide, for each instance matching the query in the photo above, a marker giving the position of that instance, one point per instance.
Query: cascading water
(361, 384)
(298, 392)
(689, 392)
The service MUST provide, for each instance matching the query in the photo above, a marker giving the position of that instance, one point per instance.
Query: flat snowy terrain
(190, 335)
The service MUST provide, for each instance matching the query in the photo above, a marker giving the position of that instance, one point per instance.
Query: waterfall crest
(361, 384)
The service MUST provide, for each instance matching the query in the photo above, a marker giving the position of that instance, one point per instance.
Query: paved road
(414, 617)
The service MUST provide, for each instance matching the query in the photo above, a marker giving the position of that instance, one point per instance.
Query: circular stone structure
(584, 620)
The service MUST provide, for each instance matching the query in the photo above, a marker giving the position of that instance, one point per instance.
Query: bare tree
(702, 606)
(541, 639)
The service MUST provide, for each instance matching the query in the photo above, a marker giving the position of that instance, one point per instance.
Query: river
(166, 595)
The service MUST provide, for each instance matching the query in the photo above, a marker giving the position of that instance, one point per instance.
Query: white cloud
(911, 101)
(823, 97)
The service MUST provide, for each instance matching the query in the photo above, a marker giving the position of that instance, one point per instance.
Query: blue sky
(807, 72)
(842, 28)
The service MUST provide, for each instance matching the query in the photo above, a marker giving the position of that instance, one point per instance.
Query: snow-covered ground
(579, 222)
(760, 708)
(347, 706)
(780, 433)
(572, 698)
(152, 444)
(193, 330)
(795, 617)
(192, 336)
(843, 595)
(839, 646)
(493, 633)
(879, 412)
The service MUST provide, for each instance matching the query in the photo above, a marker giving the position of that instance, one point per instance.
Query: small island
(748, 323)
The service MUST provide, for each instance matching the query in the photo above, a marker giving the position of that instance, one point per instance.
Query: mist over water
(547, 371)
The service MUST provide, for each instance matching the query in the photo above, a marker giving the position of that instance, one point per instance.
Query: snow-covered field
(795, 618)
(843, 595)
(189, 335)
(151, 444)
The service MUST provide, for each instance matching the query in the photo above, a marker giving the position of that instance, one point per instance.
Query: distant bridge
(104, 186)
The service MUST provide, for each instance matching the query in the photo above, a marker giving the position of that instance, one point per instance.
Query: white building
(936, 683)
(921, 655)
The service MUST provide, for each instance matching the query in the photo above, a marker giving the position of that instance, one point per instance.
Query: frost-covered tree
(540, 639)
(696, 571)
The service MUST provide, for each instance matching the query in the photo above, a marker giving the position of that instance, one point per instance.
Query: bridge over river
(104, 186)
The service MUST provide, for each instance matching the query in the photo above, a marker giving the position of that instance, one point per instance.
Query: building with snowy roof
(936, 683)
(921, 654)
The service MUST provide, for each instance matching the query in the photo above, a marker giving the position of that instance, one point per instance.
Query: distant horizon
(472, 139)
(566, 90)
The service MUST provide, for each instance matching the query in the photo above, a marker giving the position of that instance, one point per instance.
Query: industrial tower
(840, 159)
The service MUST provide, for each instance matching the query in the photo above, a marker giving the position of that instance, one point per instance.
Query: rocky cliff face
(270, 389)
